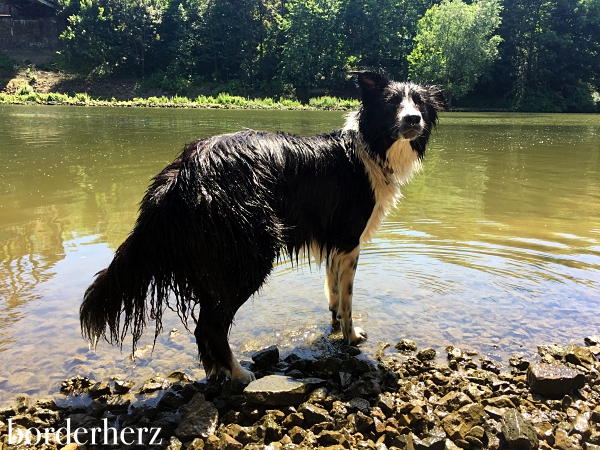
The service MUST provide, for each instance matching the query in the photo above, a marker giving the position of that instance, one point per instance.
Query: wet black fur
(213, 222)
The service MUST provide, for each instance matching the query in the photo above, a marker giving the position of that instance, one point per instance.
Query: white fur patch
(386, 177)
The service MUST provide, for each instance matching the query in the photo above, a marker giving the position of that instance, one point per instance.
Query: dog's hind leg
(213, 346)
(346, 264)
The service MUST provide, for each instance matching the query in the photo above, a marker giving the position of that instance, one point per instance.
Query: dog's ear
(437, 99)
(370, 82)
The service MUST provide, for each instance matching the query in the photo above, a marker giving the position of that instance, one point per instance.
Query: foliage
(525, 55)
(455, 45)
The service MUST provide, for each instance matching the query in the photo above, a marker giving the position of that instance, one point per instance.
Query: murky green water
(496, 246)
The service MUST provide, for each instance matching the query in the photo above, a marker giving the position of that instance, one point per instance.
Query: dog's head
(393, 111)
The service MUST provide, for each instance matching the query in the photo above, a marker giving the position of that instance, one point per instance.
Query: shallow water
(496, 246)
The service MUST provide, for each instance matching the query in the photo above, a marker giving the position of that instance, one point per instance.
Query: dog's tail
(147, 267)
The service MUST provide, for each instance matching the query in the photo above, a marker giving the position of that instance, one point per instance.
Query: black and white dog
(213, 222)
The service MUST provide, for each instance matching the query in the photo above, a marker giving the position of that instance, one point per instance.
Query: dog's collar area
(388, 170)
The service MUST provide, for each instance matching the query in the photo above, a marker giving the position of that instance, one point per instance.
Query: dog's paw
(241, 375)
(357, 335)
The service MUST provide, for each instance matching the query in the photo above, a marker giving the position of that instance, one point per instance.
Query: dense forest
(525, 55)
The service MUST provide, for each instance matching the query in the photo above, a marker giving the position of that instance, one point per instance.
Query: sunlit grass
(27, 94)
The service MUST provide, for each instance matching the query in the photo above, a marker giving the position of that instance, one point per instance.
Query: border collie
(213, 222)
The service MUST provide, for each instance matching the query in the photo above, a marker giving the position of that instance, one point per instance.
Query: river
(495, 246)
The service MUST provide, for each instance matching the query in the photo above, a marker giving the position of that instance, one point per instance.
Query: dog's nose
(411, 119)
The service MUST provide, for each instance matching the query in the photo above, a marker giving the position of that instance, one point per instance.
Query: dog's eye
(417, 100)
(394, 101)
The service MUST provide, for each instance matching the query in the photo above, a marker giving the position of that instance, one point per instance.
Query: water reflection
(495, 247)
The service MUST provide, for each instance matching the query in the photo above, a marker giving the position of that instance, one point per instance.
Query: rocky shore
(404, 400)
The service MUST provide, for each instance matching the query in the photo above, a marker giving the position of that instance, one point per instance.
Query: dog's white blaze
(386, 177)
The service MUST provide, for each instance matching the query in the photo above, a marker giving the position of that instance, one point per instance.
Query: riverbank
(404, 400)
(34, 86)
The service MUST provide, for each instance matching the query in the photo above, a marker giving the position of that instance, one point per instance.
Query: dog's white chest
(401, 162)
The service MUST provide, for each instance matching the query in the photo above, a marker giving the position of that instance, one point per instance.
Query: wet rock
(275, 390)
(459, 423)
(179, 376)
(229, 443)
(435, 440)
(198, 419)
(366, 387)
(313, 414)
(196, 444)
(120, 403)
(454, 400)
(76, 385)
(359, 404)
(406, 345)
(123, 387)
(519, 362)
(171, 400)
(518, 433)
(580, 356)
(581, 426)
(99, 389)
(592, 340)
(555, 351)
(553, 380)
(427, 354)
(174, 444)
(156, 383)
(266, 358)
(562, 441)
(297, 435)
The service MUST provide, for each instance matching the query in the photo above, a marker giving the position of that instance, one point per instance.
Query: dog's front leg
(346, 269)
(332, 290)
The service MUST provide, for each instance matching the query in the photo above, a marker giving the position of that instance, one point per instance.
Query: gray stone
(553, 350)
(266, 357)
(518, 433)
(275, 390)
(553, 380)
(198, 419)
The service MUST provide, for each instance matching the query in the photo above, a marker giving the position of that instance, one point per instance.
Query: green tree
(312, 55)
(455, 44)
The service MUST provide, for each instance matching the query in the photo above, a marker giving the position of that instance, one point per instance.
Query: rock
(297, 435)
(435, 440)
(459, 423)
(123, 387)
(427, 354)
(171, 400)
(275, 390)
(99, 389)
(562, 441)
(454, 400)
(359, 404)
(592, 340)
(362, 422)
(22, 402)
(553, 380)
(454, 353)
(518, 433)
(156, 383)
(313, 414)
(180, 376)
(76, 385)
(553, 350)
(580, 356)
(229, 443)
(581, 426)
(174, 444)
(198, 419)
(406, 345)
(266, 358)
(196, 444)
(519, 362)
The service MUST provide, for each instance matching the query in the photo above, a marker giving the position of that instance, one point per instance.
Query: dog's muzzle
(411, 126)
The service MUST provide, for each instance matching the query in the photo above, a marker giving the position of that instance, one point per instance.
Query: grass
(27, 94)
